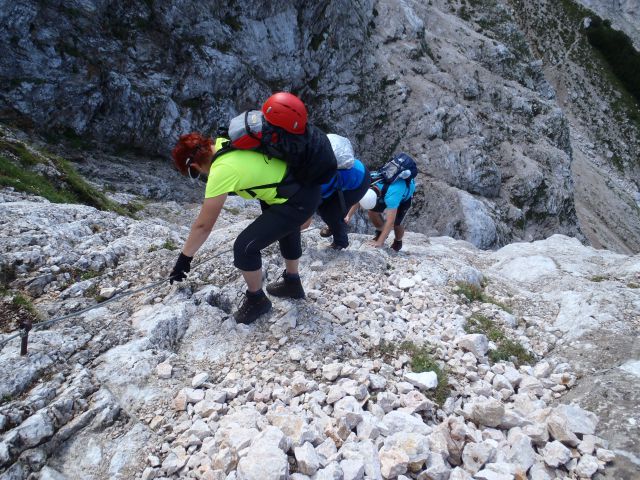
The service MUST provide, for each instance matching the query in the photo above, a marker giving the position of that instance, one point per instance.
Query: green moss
(134, 207)
(232, 210)
(167, 245)
(198, 40)
(464, 14)
(71, 50)
(27, 158)
(474, 293)
(617, 162)
(194, 102)
(598, 278)
(92, 292)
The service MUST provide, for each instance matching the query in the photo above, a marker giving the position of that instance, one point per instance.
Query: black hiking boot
(287, 287)
(377, 235)
(253, 305)
(336, 246)
(325, 232)
(396, 245)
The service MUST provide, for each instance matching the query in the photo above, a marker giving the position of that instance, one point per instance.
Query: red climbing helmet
(287, 111)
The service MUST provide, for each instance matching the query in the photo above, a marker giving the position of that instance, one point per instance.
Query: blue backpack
(400, 166)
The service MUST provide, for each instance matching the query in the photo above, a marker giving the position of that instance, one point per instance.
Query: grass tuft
(20, 300)
(422, 360)
(474, 293)
(507, 349)
(167, 245)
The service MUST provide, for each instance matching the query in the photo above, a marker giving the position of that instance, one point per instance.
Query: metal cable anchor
(25, 326)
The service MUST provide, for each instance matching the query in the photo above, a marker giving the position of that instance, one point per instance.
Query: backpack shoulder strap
(288, 179)
(384, 190)
(226, 148)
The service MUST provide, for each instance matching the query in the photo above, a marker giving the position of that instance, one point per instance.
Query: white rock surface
(330, 396)
(422, 380)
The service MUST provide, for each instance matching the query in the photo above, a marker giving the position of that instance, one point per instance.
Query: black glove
(183, 266)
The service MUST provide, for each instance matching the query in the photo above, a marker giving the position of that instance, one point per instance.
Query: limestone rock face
(604, 145)
(470, 104)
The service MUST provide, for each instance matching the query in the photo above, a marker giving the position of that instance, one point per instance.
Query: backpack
(343, 151)
(309, 155)
(401, 165)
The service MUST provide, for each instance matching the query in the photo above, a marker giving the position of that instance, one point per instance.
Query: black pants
(330, 210)
(277, 222)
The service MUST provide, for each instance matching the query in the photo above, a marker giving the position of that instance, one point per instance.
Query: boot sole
(297, 297)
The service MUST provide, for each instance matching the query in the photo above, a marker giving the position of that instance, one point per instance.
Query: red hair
(192, 146)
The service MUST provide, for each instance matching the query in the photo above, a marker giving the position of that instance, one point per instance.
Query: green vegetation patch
(422, 360)
(167, 245)
(30, 182)
(474, 293)
(21, 301)
(618, 51)
(598, 278)
(508, 350)
(19, 170)
(89, 274)
(16, 308)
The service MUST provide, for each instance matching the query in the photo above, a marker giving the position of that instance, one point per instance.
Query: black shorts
(277, 223)
(403, 208)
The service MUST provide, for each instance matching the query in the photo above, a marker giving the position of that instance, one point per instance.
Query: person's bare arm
(350, 213)
(203, 224)
(390, 219)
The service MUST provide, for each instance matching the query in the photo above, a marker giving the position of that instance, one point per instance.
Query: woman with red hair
(286, 205)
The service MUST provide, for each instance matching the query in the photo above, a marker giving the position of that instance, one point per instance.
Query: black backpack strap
(288, 180)
(384, 190)
(226, 147)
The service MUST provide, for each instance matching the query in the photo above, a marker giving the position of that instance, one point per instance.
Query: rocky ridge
(605, 138)
(166, 385)
(469, 100)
